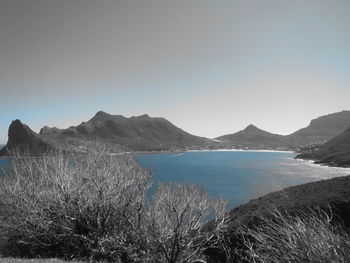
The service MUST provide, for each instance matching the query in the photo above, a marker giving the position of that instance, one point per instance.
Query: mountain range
(141, 133)
(319, 131)
(145, 133)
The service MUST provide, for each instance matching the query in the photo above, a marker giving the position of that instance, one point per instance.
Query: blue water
(236, 175)
(4, 161)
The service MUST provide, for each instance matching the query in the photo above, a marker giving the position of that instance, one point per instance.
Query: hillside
(252, 138)
(335, 152)
(332, 193)
(320, 130)
(328, 195)
(141, 133)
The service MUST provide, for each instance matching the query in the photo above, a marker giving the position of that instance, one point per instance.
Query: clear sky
(210, 67)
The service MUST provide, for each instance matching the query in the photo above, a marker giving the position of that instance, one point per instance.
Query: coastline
(315, 162)
(207, 150)
(241, 150)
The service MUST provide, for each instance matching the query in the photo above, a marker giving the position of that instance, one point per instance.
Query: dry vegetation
(93, 205)
(307, 237)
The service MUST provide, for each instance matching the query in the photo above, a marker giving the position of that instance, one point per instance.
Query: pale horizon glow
(209, 67)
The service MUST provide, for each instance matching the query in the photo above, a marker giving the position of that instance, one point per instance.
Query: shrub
(307, 237)
(177, 221)
(86, 204)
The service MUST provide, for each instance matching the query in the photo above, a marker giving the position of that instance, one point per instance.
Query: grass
(307, 237)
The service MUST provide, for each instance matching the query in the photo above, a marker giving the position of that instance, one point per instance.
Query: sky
(209, 67)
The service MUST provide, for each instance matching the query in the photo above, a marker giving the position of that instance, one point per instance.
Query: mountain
(252, 138)
(320, 130)
(141, 133)
(335, 152)
(21, 137)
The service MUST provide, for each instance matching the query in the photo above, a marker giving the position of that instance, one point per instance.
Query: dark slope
(328, 195)
(141, 133)
(332, 193)
(253, 138)
(335, 152)
(320, 130)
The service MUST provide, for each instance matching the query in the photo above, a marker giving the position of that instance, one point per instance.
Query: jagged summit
(19, 133)
(102, 114)
(22, 138)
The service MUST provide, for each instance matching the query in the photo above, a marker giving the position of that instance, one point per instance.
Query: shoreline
(207, 150)
(242, 150)
(315, 162)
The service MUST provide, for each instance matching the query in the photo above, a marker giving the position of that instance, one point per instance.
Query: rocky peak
(251, 128)
(102, 114)
(18, 133)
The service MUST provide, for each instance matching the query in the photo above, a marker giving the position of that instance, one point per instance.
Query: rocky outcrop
(19, 133)
(23, 139)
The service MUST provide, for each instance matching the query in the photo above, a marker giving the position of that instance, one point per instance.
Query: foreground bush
(92, 205)
(87, 204)
(308, 237)
(177, 220)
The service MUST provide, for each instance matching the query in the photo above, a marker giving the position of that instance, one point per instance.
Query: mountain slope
(320, 130)
(252, 138)
(327, 195)
(142, 133)
(334, 152)
(331, 193)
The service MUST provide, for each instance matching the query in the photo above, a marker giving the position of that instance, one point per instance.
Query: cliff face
(22, 138)
(19, 133)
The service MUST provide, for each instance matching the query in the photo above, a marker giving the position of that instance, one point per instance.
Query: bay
(237, 176)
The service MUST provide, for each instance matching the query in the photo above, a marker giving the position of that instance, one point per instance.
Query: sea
(238, 176)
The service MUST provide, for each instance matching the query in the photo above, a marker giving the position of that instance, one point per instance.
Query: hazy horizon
(209, 67)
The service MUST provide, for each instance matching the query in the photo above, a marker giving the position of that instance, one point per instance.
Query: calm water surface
(237, 175)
